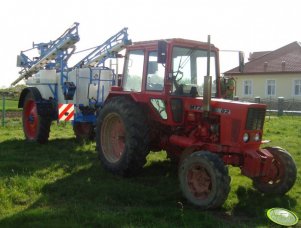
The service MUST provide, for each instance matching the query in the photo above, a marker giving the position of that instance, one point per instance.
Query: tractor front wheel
(204, 180)
(282, 176)
(35, 127)
(122, 136)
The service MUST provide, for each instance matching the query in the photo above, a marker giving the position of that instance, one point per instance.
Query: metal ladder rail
(106, 50)
(65, 41)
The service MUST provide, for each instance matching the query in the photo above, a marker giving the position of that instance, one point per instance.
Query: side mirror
(162, 51)
(241, 61)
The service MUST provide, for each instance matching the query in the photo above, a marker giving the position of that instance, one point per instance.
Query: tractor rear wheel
(204, 179)
(122, 136)
(283, 173)
(84, 131)
(35, 127)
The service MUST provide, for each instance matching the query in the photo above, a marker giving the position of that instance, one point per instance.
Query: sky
(245, 25)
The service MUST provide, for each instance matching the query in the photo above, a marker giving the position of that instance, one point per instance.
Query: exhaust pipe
(207, 82)
(207, 93)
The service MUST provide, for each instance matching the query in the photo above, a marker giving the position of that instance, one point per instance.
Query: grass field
(10, 105)
(62, 184)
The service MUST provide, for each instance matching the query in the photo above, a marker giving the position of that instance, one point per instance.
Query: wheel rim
(199, 182)
(113, 137)
(31, 119)
(276, 173)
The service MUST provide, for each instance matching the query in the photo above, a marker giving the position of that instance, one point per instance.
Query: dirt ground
(11, 114)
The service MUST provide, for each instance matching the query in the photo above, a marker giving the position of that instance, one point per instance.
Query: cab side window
(155, 73)
(134, 71)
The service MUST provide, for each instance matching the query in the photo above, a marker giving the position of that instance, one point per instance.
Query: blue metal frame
(45, 48)
(55, 55)
(91, 118)
(79, 117)
(56, 51)
(53, 90)
(120, 37)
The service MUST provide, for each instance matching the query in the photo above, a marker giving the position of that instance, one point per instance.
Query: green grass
(10, 105)
(62, 184)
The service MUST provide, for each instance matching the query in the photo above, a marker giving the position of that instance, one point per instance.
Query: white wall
(284, 85)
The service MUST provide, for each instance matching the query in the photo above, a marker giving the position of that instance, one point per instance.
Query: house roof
(284, 59)
(255, 55)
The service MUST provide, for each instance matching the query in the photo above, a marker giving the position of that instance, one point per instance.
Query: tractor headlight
(245, 137)
(257, 137)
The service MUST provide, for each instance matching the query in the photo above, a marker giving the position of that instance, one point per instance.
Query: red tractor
(164, 101)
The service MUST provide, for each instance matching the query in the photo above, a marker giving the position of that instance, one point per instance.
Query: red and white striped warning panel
(66, 112)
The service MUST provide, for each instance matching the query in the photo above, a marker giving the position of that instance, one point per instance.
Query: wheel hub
(199, 182)
(113, 137)
(30, 119)
(275, 174)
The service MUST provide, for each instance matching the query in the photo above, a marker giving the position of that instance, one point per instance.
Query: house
(270, 74)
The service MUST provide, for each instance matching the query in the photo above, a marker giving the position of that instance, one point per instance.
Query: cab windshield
(189, 66)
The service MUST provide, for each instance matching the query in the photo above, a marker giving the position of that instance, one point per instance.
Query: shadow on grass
(80, 193)
(19, 157)
(86, 195)
(252, 205)
(250, 211)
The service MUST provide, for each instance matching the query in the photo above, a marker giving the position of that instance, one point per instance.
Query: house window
(271, 88)
(297, 87)
(247, 88)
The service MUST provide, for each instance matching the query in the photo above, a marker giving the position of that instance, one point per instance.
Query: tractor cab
(171, 67)
(165, 74)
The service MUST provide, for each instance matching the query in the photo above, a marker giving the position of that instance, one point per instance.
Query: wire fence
(279, 106)
(9, 110)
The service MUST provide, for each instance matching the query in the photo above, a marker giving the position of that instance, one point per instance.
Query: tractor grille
(255, 119)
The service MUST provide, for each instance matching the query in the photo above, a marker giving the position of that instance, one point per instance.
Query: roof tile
(284, 59)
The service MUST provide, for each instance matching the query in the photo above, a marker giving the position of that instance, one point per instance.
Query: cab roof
(174, 42)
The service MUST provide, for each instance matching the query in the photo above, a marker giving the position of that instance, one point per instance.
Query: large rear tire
(284, 170)
(35, 127)
(204, 180)
(122, 137)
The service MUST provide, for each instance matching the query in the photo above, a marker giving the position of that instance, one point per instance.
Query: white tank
(44, 80)
(100, 84)
(92, 85)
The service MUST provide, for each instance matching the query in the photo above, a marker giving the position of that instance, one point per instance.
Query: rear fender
(36, 93)
(45, 108)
